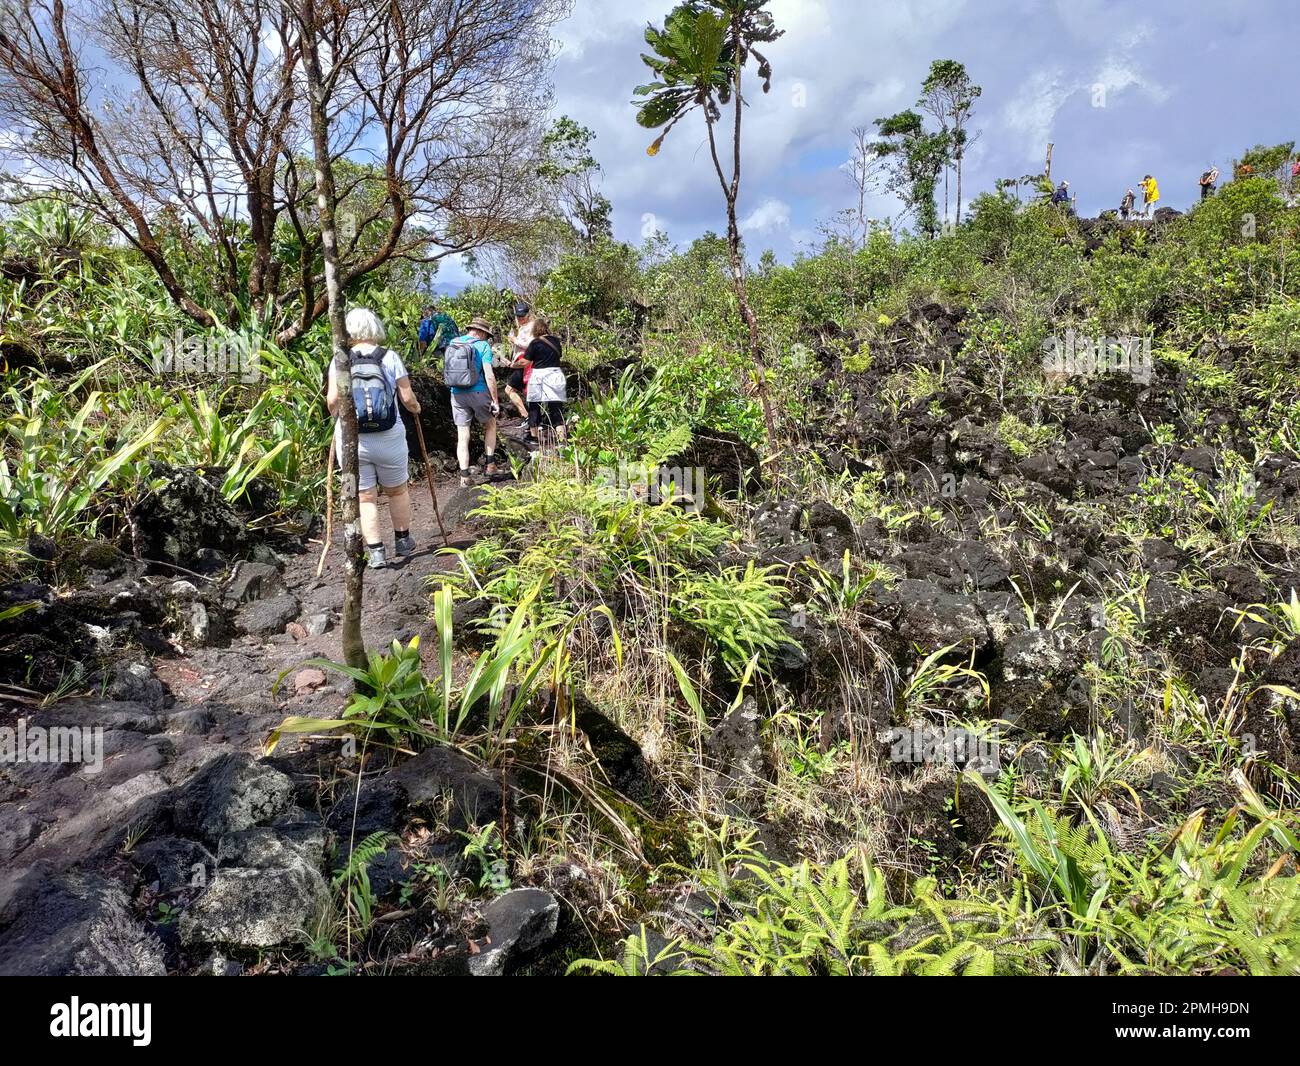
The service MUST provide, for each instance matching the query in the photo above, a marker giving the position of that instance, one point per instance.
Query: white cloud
(771, 215)
(1032, 111)
(842, 63)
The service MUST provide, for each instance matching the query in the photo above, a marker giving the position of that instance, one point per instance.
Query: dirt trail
(222, 699)
(396, 607)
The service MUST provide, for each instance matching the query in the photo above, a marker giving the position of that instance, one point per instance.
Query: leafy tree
(698, 59)
(949, 96)
(1266, 160)
(917, 157)
(570, 168)
(574, 215)
(188, 141)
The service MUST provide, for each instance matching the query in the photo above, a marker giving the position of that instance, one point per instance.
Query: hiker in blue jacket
(437, 329)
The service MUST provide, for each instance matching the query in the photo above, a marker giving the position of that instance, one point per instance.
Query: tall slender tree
(949, 95)
(319, 93)
(862, 167)
(699, 58)
(917, 156)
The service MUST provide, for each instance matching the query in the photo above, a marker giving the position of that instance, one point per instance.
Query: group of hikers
(535, 388)
(1150, 195)
(1208, 183)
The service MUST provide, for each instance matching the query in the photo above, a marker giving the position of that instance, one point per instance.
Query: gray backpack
(372, 393)
(460, 365)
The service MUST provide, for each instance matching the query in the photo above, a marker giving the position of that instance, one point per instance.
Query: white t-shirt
(393, 369)
(523, 337)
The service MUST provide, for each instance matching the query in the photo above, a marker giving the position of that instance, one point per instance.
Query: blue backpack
(372, 394)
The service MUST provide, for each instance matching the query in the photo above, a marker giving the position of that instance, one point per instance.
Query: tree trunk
(959, 155)
(751, 322)
(354, 650)
(730, 191)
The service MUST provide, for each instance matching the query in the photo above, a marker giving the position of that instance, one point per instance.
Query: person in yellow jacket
(1150, 194)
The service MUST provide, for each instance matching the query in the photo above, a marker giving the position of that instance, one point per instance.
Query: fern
(666, 445)
(637, 960)
(353, 878)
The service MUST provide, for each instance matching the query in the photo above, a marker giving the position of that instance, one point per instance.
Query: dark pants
(551, 412)
(1206, 190)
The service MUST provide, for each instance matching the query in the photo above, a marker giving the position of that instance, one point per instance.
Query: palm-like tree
(698, 59)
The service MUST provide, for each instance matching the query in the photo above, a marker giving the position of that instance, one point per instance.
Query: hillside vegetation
(987, 662)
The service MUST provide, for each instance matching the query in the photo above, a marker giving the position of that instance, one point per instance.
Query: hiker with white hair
(379, 380)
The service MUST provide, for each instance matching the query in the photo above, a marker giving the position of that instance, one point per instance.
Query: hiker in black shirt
(547, 388)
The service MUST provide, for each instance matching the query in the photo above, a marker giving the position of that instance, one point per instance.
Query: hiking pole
(329, 507)
(428, 473)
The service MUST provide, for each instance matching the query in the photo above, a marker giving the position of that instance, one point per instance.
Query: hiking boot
(376, 560)
(404, 545)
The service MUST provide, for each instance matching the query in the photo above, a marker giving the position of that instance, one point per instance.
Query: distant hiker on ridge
(1208, 181)
(1062, 196)
(1150, 194)
(1126, 205)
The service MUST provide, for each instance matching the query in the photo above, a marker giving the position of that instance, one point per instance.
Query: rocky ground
(192, 852)
(188, 845)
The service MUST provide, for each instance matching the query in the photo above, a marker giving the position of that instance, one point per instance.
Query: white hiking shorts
(381, 458)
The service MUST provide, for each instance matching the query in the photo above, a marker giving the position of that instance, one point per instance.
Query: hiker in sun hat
(467, 370)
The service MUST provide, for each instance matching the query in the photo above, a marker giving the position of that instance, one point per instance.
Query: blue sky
(1166, 86)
